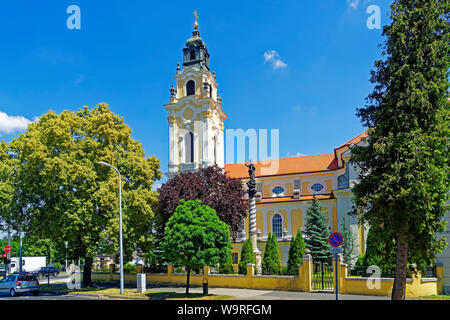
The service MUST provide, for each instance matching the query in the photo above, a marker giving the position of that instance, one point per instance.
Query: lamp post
(65, 265)
(120, 223)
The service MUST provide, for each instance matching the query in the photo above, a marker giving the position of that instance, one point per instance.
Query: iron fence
(322, 276)
(388, 272)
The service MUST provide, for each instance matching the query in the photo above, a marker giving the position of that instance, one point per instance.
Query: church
(196, 140)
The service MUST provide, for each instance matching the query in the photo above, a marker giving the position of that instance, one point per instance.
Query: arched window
(192, 55)
(277, 225)
(210, 91)
(190, 88)
(189, 147)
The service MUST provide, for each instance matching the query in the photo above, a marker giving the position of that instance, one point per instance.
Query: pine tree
(247, 256)
(404, 165)
(296, 253)
(271, 260)
(317, 233)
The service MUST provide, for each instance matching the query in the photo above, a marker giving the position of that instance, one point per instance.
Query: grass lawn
(130, 292)
(436, 297)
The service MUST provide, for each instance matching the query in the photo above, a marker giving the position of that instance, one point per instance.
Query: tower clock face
(188, 114)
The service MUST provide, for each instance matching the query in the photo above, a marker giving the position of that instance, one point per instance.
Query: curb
(106, 296)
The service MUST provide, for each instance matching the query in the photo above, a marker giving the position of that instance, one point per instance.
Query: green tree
(247, 256)
(349, 243)
(404, 164)
(271, 261)
(6, 186)
(317, 233)
(195, 236)
(227, 266)
(71, 197)
(296, 253)
(380, 249)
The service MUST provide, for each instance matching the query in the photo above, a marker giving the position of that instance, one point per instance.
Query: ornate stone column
(252, 216)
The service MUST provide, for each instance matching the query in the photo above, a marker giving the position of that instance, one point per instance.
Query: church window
(192, 55)
(189, 147)
(317, 187)
(190, 88)
(277, 225)
(278, 190)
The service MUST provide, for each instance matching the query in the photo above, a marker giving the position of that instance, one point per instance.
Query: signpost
(335, 241)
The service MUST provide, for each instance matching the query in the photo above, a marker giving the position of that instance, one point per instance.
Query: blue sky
(302, 67)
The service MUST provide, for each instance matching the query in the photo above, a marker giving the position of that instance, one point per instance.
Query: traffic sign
(7, 249)
(335, 239)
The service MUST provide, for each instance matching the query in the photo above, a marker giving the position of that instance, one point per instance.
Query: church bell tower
(196, 130)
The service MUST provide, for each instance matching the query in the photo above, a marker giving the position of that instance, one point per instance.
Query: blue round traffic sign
(335, 239)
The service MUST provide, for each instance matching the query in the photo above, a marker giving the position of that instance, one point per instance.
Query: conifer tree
(247, 256)
(271, 260)
(227, 266)
(317, 233)
(296, 253)
(404, 169)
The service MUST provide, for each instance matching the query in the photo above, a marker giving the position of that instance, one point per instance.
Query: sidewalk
(250, 294)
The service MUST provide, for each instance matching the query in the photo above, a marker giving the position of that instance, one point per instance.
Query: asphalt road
(45, 296)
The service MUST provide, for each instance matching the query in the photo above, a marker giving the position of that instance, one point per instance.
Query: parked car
(15, 284)
(44, 271)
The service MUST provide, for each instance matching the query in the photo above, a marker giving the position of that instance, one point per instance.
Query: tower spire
(196, 17)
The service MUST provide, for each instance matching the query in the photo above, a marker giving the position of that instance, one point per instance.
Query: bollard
(205, 286)
(141, 283)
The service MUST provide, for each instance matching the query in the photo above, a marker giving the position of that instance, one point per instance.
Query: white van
(29, 264)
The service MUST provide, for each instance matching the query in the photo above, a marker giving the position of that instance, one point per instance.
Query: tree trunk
(399, 289)
(87, 283)
(187, 283)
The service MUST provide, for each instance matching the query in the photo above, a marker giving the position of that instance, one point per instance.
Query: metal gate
(322, 278)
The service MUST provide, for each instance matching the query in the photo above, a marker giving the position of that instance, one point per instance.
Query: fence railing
(388, 272)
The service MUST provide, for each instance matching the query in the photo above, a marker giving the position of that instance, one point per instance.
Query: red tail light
(18, 284)
(37, 282)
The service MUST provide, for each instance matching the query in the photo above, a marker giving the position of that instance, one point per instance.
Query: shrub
(247, 256)
(271, 261)
(179, 270)
(296, 253)
(129, 268)
(227, 267)
(58, 265)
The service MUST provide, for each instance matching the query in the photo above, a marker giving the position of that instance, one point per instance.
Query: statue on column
(252, 215)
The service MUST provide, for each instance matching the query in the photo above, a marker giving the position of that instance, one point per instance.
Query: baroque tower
(196, 130)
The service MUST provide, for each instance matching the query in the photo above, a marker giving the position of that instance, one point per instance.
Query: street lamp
(120, 223)
(65, 265)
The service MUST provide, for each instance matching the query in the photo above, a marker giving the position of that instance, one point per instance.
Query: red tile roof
(294, 165)
(356, 139)
(322, 162)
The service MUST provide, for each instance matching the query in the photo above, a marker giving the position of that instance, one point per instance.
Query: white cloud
(10, 124)
(78, 79)
(353, 3)
(298, 154)
(274, 58)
